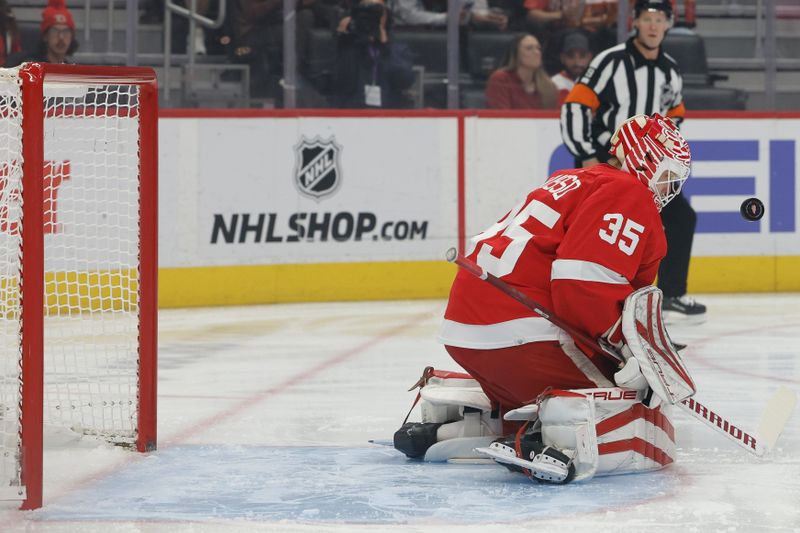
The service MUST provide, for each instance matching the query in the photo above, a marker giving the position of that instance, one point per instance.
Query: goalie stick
(776, 414)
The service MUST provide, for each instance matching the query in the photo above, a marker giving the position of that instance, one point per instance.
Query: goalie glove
(630, 376)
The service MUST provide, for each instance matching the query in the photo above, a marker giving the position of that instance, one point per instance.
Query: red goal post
(78, 262)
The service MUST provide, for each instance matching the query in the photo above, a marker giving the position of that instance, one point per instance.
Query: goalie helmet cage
(78, 260)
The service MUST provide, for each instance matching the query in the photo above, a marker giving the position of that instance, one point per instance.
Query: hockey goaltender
(587, 245)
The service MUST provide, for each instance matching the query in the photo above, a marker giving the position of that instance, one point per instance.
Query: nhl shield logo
(316, 172)
(667, 97)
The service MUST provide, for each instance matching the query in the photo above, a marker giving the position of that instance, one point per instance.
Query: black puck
(752, 209)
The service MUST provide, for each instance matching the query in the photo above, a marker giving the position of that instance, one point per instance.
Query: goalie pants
(515, 376)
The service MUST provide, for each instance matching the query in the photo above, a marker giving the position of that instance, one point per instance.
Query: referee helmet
(652, 5)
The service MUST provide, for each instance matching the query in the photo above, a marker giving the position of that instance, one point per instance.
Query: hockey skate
(683, 309)
(529, 455)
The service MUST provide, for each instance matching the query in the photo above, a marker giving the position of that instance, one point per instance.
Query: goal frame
(33, 77)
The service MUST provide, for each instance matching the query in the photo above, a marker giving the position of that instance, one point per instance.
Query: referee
(637, 77)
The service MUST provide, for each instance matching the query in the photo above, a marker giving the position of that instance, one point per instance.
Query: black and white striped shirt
(618, 84)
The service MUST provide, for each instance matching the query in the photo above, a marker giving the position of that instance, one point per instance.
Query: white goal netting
(10, 246)
(90, 190)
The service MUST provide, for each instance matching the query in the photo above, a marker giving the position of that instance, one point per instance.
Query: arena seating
(699, 92)
(726, 44)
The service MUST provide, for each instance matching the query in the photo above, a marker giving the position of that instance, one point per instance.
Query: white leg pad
(445, 400)
(567, 423)
(455, 392)
(633, 438)
(609, 429)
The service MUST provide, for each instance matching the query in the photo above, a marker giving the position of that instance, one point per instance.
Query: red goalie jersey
(578, 245)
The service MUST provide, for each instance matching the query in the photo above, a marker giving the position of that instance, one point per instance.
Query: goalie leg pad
(633, 437)
(610, 429)
(567, 422)
(456, 418)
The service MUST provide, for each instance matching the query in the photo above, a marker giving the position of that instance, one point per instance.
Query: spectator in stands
(201, 8)
(575, 57)
(415, 13)
(371, 69)
(57, 43)
(484, 17)
(599, 20)
(476, 14)
(328, 13)
(258, 41)
(688, 19)
(547, 18)
(522, 83)
(434, 13)
(152, 11)
(10, 38)
(550, 20)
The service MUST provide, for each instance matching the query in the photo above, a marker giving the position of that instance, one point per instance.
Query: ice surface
(374, 485)
(265, 414)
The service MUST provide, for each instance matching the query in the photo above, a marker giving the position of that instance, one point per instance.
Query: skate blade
(543, 471)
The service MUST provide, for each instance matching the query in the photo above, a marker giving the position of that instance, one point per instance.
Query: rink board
(259, 207)
(371, 485)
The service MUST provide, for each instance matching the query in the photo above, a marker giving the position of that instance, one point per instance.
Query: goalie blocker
(565, 435)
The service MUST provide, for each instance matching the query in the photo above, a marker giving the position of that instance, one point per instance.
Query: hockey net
(77, 285)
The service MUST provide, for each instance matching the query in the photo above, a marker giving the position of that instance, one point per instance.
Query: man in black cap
(575, 57)
(637, 77)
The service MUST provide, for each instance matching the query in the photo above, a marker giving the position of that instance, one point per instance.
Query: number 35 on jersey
(622, 232)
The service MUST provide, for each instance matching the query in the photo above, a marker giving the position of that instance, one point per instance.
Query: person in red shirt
(575, 58)
(57, 41)
(522, 83)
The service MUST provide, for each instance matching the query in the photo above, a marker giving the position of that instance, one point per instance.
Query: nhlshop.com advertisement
(278, 206)
(310, 190)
